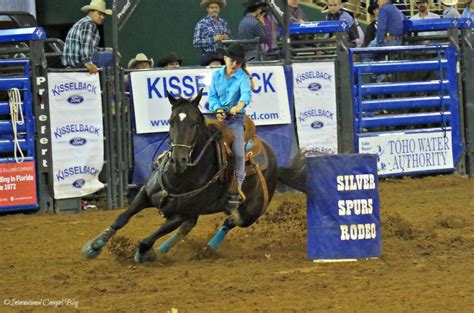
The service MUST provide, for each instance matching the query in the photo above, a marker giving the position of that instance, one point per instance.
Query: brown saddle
(253, 145)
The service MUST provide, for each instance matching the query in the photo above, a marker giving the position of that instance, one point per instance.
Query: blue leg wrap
(168, 244)
(216, 241)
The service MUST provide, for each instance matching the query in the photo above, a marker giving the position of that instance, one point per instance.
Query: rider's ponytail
(244, 67)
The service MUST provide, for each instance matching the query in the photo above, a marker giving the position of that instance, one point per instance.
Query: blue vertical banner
(343, 207)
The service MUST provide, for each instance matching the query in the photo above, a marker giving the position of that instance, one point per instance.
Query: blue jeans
(237, 126)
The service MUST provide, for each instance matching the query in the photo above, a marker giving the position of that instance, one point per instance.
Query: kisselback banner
(403, 153)
(315, 107)
(152, 109)
(343, 207)
(76, 133)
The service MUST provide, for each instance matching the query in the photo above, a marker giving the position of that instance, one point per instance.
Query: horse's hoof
(89, 252)
(149, 256)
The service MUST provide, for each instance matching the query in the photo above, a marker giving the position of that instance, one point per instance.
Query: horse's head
(186, 124)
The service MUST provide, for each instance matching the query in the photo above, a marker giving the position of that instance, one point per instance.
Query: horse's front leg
(185, 228)
(93, 248)
(145, 245)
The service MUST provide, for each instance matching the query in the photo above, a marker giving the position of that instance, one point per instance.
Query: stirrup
(232, 202)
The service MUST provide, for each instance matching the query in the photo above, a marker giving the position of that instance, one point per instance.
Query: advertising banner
(17, 184)
(315, 107)
(152, 109)
(76, 133)
(343, 207)
(403, 153)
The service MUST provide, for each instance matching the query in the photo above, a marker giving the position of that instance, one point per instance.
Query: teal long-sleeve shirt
(227, 92)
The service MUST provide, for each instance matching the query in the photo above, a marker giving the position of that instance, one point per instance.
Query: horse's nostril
(184, 160)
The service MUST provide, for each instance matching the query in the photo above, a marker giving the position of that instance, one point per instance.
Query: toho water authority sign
(77, 137)
(404, 153)
(343, 207)
(152, 109)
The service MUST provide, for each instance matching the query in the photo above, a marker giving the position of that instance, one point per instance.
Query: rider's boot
(235, 198)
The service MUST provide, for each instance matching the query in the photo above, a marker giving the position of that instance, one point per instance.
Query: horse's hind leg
(145, 245)
(216, 241)
(93, 248)
(175, 238)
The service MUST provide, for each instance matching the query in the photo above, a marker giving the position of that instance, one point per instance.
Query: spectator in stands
(335, 13)
(296, 14)
(171, 60)
(253, 26)
(140, 61)
(270, 47)
(216, 62)
(449, 10)
(389, 31)
(371, 29)
(468, 11)
(210, 31)
(82, 40)
(389, 26)
(424, 13)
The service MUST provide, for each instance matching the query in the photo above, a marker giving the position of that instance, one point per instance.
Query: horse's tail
(294, 176)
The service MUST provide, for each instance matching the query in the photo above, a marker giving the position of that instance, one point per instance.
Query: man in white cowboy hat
(449, 11)
(210, 30)
(140, 61)
(82, 40)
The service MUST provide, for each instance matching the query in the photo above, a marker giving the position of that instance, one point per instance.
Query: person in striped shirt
(82, 40)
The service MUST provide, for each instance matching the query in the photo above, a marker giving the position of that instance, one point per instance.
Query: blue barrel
(343, 207)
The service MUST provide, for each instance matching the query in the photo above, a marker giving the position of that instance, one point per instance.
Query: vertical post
(107, 130)
(345, 133)
(44, 160)
(286, 39)
(467, 70)
(118, 106)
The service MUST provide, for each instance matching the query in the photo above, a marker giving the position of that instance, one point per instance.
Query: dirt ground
(427, 263)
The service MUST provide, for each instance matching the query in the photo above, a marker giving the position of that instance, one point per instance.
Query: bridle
(191, 147)
(196, 191)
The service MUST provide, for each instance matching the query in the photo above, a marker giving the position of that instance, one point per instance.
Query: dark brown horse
(186, 185)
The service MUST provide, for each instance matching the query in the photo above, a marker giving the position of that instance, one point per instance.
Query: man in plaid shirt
(82, 40)
(210, 30)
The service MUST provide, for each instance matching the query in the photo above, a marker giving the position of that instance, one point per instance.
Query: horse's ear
(198, 97)
(171, 98)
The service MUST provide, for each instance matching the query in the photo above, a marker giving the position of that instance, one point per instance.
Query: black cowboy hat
(170, 57)
(252, 5)
(235, 51)
(373, 6)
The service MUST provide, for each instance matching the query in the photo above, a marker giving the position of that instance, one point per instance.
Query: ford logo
(317, 124)
(79, 183)
(75, 99)
(314, 87)
(78, 141)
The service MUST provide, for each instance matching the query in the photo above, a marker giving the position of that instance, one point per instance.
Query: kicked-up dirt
(427, 263)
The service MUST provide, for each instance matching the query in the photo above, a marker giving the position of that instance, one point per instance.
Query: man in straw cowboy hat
(210, 30)
(140, 61)
(449, 10)
(82, 40)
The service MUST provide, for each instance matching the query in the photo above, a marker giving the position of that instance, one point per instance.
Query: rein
(196, 191)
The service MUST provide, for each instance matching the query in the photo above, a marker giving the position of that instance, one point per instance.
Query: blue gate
(411, 120)
(17, 134)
